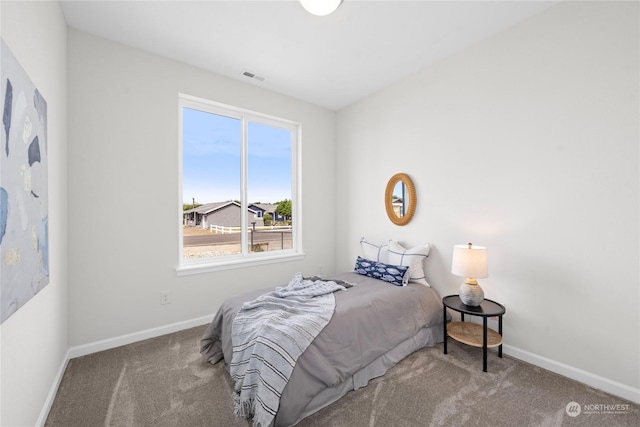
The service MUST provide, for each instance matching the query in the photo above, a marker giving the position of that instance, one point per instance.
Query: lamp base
(471, 294)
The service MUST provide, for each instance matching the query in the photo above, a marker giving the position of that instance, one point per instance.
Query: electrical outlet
(319, 269)
(164, 298)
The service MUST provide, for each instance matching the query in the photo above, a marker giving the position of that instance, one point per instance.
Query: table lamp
(470, 262)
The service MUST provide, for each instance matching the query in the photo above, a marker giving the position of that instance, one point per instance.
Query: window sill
(208, 266)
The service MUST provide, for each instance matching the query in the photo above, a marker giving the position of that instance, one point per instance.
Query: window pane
(269, 187)
(211, 178)
(239, 187)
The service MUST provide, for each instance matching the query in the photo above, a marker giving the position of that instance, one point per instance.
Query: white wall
(34, 339)
(526, 143)
(123, 190)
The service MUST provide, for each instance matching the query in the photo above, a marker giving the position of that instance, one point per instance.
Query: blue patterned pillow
(395, 274)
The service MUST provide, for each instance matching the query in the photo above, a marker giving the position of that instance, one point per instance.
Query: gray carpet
(164, 382)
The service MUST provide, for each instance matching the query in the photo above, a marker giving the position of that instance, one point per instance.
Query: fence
(223, 229)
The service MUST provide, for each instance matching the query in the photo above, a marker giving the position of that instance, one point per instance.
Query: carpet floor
(165, 382)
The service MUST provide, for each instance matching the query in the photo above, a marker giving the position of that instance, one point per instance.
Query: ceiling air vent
(253, 76)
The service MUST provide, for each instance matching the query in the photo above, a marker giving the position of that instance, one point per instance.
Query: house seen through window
(239, 182)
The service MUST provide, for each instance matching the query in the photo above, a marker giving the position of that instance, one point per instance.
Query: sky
(211, 147)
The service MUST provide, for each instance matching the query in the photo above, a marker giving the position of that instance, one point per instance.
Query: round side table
(472, 333)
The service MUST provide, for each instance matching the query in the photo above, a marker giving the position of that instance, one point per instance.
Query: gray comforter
(370, 319)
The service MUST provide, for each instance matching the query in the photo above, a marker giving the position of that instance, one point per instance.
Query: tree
(284, 208)
(186, 207)
(267, 218)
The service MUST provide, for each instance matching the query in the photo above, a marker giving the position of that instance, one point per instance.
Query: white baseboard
(83, 350)
(592, 380)
(44, 413)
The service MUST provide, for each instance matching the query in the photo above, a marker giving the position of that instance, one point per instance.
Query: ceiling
(330, 61)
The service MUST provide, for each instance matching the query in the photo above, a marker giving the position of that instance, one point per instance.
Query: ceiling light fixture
(320, 7)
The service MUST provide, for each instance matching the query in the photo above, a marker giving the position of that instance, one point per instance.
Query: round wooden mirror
(400, 199)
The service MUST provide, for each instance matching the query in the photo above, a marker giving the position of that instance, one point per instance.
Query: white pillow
(374, 251)
(413, 258)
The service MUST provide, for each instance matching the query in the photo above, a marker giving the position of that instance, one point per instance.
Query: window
(239, 187)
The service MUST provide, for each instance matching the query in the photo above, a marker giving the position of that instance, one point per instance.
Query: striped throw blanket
(268, 335)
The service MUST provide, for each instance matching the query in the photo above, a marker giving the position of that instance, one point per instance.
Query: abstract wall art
(24, 235)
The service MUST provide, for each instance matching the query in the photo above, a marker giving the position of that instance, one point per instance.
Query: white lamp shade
(469, 261)
(320, 7)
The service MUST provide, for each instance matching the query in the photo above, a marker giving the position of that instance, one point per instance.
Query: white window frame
(245, 259)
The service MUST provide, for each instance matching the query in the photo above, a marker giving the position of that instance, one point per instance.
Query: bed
(375, 325)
